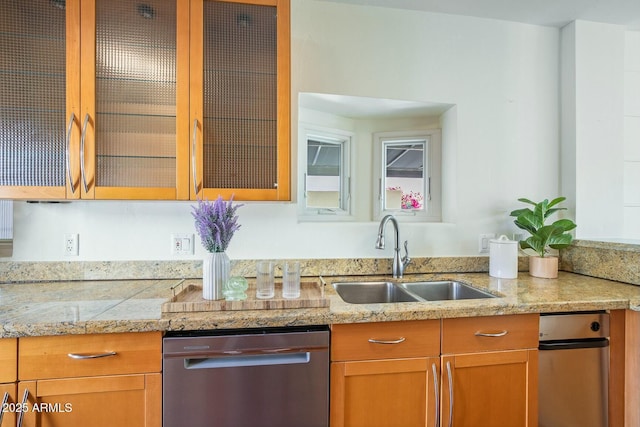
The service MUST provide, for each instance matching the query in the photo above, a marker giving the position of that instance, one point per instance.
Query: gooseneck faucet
(399, 264)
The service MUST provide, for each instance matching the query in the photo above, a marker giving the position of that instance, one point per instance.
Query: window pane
(323, 181)
(404, 181)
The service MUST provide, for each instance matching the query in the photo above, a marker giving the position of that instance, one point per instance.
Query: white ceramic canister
(503, 258)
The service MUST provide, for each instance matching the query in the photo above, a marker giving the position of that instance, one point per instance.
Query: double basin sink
(391, 292)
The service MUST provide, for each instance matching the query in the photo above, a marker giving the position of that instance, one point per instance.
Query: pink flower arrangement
(412, 200)
(409, 200)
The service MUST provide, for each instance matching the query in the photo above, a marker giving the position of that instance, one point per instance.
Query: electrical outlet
(71, 247)
(182, 244)
(483, 242)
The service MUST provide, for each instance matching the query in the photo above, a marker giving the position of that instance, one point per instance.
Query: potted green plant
(543, 237)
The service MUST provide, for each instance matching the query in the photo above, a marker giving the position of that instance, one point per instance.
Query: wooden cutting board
(190, 300)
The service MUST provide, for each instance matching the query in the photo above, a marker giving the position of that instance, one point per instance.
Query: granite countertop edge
(135, 305)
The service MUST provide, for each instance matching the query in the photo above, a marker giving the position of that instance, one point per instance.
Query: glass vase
(215, 273)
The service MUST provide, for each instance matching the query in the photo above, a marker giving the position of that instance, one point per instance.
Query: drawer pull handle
(91, 356)
(25, 398)
(436, 393)
(82, 139)
(68, 152)
(450, 378)
(398, 341)
(4, 405)
(194, 148)
(491, 334)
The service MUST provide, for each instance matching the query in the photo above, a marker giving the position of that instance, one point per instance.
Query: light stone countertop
(77, 307)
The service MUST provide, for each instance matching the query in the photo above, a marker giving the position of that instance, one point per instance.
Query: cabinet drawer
(102, 354)
(8, 360)
(385, 340)
(473, 334)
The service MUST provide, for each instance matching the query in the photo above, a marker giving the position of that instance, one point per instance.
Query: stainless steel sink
(444, 290)
(389, 292)
(372, 292)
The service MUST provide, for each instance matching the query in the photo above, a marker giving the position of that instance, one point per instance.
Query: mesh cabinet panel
(32, 93)
(240, 84)
(135, 93)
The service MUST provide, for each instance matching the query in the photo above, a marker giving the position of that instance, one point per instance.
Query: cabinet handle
(4, 403)
(398, 341)
(193, 158)
(68, 153)
(436, 392)
(82, 138)
(25, 396)
(91, 356)
(491, 334)
(450, 377)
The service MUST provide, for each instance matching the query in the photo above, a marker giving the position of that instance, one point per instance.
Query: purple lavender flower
(215, 223)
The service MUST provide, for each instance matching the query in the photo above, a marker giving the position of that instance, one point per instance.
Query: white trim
(335, 136)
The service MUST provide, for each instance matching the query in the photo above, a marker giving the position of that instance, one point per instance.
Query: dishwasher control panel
(562, 326)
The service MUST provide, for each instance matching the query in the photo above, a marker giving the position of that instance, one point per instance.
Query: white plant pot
(543, 267)
(215, 274)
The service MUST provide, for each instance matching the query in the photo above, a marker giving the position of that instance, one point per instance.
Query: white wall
(593, 104)
(593, 91)
(503, 78)
(632, 135)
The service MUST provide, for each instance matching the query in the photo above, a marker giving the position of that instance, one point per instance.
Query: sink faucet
(398, 263)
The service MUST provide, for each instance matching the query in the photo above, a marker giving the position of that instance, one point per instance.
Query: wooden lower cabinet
(385, 374)
(9, 406)
(624, 377)
(492, 389)
(467, 372)
(490, 371)
(8, 377)
(119, 400)
(97, 380)
(632, 368)
(385, 393)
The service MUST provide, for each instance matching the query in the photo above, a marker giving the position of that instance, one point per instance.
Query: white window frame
(332, 136)
(432, 175)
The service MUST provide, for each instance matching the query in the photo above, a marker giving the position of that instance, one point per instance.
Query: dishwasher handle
(573, 344)
(247, 360)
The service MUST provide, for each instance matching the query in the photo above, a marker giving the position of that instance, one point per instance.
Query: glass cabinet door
(240, 100)
(33, 119)
(129, 144)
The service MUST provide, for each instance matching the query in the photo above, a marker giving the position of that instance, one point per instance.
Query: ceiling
(553, 13)
(357, 107)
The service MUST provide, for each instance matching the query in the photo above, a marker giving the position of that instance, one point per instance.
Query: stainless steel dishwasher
(574, 370)
(273, 377)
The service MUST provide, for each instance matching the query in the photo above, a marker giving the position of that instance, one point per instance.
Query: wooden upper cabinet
(133, 59)
(161, 100)
(33, 121)
(90, 108)
(240, 99)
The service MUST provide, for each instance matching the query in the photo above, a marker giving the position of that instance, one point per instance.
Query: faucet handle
(406, 260)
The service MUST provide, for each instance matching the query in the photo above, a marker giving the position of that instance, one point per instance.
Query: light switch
(483, 242)
(182, 244)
